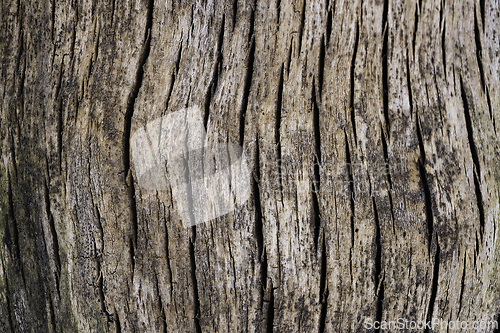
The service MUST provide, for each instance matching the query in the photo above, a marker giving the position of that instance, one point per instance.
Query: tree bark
(369, 128)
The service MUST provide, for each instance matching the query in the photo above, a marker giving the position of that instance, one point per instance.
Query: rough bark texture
(369, 126)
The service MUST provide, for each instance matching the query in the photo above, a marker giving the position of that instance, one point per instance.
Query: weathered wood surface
(370, 128)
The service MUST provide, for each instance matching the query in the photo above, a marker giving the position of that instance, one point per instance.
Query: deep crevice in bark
(173, 76)
(414, 39)
(475, 158)
(323, 289)
(196, 298)
(279, 104)
(263, 281)
(408, 82)
(116, 319)
(489, 109)
(481, 7)
(289, 57)
(480, 206)
(379, 284)
(100, 290)
(55, 241)
(163, 317)
(462, 285)
(427, 194)
(302, 26)
(52, 315)
(477, 38)
(100, 275)
(215, 74)
(278, 11)
(270, 310)
(329, 19)
(385, 81)
(248, 80)
(128, 124)
(443, 48)
(435, 281)
(386, 160)
(59, 110)
(259, 233)
(321, 67)
(317, 163)
(8, 295)
(169, 265)
(353, 67)
(15, 231)
(178, 60)
(235, 13)
(351, 187)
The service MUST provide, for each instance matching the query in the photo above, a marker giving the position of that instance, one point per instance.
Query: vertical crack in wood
(481, 8)
(20, 95)
(194, 281)
(235, 13)
(279, 104)
(289, 58)
(127, 127)
(259, 233)
(352, 75)
(116, 319)
(329, 21)
(173, 76)
(408, 82)
(113, 6)
(351, 199)
(434, 287)
(264, 289)
(59, 110)
(217, 69)
(321, 67)
(414, 39)
(270, 310)
(379, 283)
(8, 292)
(317, 163)
(52, 315)
(100, 274)
(302, 26)
(351, 186)
(443, 48)
(387, 170)
(54, 240)
(233, 263)
(169, 265)
(385, 56)
(475, 158)
(490, 110)
(477, 38)
(178, 59)
(278, 11)
(323, 288)
(163, 317)
(15, 231)
(462, 286)
(425, 186)
(248, 79)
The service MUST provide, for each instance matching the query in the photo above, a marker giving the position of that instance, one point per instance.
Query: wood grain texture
(370, 128)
